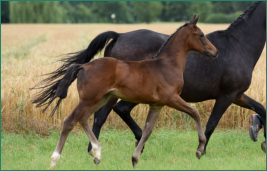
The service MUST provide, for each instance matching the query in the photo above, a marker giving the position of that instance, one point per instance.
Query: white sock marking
(54, 159)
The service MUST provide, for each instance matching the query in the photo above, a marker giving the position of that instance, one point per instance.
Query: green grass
(166, 149)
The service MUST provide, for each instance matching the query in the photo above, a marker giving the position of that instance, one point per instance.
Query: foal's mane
(164, 44)
(242, 15)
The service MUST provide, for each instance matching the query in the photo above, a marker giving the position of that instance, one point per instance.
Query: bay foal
(156, 82)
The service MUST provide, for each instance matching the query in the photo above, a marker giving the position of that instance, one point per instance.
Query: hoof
(253, 134)
(198, 154)
(263, 146)
(134, 161)
(96, 161)
(255, 126)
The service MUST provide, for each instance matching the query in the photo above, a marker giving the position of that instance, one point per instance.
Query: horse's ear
(194, 20)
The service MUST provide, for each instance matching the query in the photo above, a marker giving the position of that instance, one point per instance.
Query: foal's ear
(194, 20)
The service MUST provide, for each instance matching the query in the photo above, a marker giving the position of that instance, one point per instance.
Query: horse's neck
(249, 32)
(175, 51)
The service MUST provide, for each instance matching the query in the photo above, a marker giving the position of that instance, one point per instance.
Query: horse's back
(138, 45)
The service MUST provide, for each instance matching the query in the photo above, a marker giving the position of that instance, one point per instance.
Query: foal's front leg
(178, 103)
(150, 122)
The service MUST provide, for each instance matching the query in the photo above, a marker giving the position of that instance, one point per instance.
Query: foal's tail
(58, 88)
(56, 85)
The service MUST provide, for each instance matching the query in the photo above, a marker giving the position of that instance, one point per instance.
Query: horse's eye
(202, 35)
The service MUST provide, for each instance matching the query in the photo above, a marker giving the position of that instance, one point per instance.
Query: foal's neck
(176, 50)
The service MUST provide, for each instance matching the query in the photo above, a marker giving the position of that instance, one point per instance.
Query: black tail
(58, 88)
(54, 85)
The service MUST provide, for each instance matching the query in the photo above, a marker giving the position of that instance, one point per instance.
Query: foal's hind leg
(100, 117)
(69, 122)
(96, 148)
(150, 122)
(178, 103)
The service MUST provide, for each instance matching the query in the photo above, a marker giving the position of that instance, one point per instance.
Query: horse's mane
(242, 15)
(164, 44)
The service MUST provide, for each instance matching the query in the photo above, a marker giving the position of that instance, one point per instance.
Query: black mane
(242, 15)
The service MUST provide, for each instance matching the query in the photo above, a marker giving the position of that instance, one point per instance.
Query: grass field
(28, 51)
(165, 150)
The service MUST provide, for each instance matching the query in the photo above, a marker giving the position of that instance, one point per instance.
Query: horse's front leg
(178, 103)
(150, 122)
(247, 102)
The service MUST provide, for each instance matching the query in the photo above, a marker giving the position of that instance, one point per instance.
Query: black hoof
(255, 126)
(253, 134)
(134, 161)
(136, 143)
(263, 146)
(96, 161)
(198, 154)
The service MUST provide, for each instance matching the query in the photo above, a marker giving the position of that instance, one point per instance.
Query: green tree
(5, 12)
(147, 11)
(202, 8)
(225, 7)
(242, 5)
(37, 12)
(102, 11)
(78, 12)
(177, 10)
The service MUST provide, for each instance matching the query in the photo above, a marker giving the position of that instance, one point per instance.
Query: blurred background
(120, 11)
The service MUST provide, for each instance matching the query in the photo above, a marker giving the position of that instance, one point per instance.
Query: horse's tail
(50, 85)
(57, 88)
(94, 47)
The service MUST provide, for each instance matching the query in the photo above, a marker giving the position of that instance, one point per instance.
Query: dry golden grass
(29, 50)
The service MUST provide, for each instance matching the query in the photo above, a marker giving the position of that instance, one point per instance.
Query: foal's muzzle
(217, 54)
(213, 55)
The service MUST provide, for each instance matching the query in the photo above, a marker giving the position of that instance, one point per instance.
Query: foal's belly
(135, 97)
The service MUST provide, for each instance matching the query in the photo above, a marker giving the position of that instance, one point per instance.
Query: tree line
(125, 11)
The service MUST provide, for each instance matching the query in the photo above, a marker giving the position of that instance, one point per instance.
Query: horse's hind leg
(178, 103)
(96, 148)
(150, 122)
(69, 122)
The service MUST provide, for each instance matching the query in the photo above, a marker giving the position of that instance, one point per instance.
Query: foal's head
(197, 41)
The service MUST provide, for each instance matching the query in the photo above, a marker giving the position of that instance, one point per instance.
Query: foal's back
(135, 81)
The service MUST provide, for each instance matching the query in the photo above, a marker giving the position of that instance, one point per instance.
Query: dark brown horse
(156, 82)
(224, 79)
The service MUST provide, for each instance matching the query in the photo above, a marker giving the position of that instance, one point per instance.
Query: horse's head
(197, 41)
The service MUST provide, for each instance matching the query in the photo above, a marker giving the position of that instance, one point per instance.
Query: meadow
(30, 50)
(165, 150)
